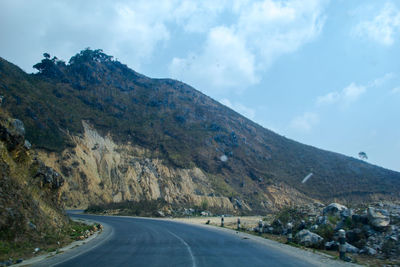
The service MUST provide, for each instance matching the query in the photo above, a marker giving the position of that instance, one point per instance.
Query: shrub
(326, 231)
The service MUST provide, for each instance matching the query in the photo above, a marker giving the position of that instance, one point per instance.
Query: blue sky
(325, 73)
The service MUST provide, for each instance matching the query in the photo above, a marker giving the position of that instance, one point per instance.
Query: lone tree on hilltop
(363, 155)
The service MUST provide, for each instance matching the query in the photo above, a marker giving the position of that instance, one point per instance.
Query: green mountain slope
(181, 126)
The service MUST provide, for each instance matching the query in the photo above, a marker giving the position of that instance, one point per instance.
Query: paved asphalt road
(151, 242)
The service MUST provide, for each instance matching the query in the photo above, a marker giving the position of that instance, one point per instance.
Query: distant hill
(118, 135)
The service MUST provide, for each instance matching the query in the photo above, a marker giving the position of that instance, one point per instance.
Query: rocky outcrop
(98, 170)
(378, 218)
(30, 208)
(335, 209)
(12, 133)
(49, 176)
(373, 231)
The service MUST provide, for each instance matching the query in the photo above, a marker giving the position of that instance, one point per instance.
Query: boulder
(160, 213)
(12, 132)
(308, 239)
(357, 218)
(322, 220)
(378, 218)
(332, 245)
(335, 209)
(49, 176)
(18, 127)
(368, 251)
(302, 225)
(351, 249)
(354, 235)
(368, 231)
(346, 213)
(27, 145)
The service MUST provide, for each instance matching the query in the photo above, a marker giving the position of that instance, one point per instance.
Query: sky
(324, 73)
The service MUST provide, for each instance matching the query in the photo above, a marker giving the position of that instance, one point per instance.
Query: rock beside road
(308, 239)
(378, 218)
(335, 209)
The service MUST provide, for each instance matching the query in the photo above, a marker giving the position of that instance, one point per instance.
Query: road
(152, 242)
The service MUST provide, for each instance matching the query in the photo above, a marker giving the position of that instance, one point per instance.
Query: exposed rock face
(173, 125)
(12, 133)
(49, 176)
(97, 170)
(29, 210)
(308, 239)
(378, 218)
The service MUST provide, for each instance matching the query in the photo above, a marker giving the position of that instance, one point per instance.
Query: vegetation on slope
(179, 125)
(31, 215)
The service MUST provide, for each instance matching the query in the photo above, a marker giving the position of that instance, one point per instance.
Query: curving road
(131, 241)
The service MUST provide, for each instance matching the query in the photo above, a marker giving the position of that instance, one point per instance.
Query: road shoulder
(306, 255)
(73, 250)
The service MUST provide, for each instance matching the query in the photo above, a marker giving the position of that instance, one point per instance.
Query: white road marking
(187, 246)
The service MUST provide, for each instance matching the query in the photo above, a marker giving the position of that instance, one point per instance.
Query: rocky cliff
(98, 170)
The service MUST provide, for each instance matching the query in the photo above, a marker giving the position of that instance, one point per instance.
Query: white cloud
(224, 63)
(233, 56)
(240, 108)
(137, 29)
(345, 97)
(198, 16)
(395, 90)
(352, 92)
(329, 98)
(273, 28)
(129, 30)
(382, 80)
(383, 27)
(305, 122)
(237, 40)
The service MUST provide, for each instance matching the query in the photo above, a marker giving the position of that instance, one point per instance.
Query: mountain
(118, 135)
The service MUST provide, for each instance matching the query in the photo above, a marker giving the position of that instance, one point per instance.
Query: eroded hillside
(98, 170)
(118, 135)
(31, 213)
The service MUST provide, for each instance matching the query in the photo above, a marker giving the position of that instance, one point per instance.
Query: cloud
(233, 56)
(240, 108)
(226, 45)
(305, 122)
(132, 30)
(224, 63)
(395, 90)
(382, 80)
(345, 97)
(198, 16)
(383, 27)
(352, 92)
(273, 28)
